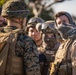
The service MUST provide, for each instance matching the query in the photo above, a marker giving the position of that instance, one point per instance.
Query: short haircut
(59, 14)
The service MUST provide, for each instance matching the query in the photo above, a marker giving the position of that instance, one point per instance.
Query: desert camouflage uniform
(71, 59)
(65, 59)
(49, 45)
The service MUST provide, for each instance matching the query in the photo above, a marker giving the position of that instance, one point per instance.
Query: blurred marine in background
(64, 17)
(2, 19)
(49, 45)
(65, 59)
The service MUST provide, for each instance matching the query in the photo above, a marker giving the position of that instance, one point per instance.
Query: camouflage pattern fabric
(27, 50)
(35, 20)
(15, 8)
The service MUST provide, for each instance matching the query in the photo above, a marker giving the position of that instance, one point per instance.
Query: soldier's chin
(37, 40)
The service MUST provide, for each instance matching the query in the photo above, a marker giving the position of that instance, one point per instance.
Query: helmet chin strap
(20, 22)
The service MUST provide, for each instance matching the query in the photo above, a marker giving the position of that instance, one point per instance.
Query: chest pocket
(50, 55)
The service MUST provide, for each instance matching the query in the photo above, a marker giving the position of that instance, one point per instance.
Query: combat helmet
(49, 35)
(48, 27)
(15, 8)
(38, 27)
(35, 20)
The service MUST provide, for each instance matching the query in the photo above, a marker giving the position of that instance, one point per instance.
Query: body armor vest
(62, 64)
(49, 54)
(66, 66)
(13, 64)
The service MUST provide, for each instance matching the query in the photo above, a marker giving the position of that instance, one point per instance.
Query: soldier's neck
(38, 42)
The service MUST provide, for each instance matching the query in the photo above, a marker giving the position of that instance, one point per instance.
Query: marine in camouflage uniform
(15, 11)
(65, 59)
(63, 17)
(33, 32)
(49, 45)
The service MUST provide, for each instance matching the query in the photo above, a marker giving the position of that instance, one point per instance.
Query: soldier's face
(1, 21)
(32, 32)
(62, 19)
(49, 38)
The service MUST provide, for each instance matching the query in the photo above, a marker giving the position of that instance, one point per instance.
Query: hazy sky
(69, 6)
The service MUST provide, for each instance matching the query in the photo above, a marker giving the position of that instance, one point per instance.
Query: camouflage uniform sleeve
(31, 59)
(73, 58)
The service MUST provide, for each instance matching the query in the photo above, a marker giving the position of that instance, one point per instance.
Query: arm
(73, 58)
(58, 59)
(31, 59)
